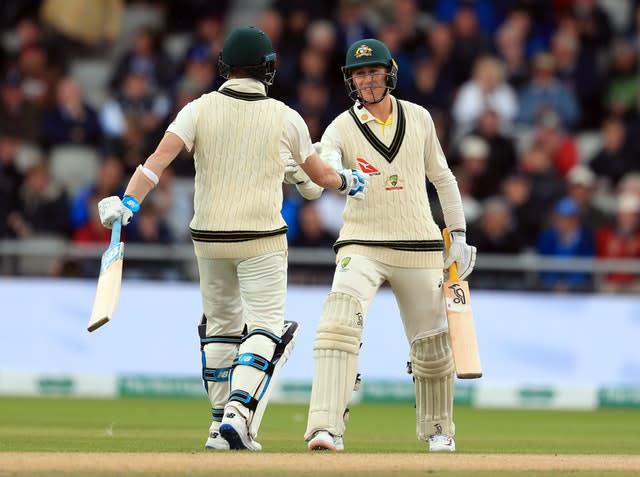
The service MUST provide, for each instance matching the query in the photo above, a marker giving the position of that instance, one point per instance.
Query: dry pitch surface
(182, 463)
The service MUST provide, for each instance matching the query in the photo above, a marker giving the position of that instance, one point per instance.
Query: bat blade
(464, 343)
(462, 331)
(109, 281)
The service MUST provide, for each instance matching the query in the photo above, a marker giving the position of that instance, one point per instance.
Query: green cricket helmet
(248, 50)
(368, 52)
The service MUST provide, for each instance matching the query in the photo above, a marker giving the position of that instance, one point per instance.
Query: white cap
(628, 203)
(474, 147)
(581, 175)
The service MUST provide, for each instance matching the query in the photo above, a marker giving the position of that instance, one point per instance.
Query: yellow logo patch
(363, 50)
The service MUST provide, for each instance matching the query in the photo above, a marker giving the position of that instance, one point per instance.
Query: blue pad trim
(254, 360)
(217, 414)
(243, 398)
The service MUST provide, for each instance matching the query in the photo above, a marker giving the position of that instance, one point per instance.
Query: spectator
(545, 93)
(71, 120)
(84, 27)
(616, 156)
(17, 111)
(474, 160)
(621, 241)
(622, 87)
(429, 86)
(566, 237)
(10, 180)
(560, 146)
(108, 182)
(510, 47)
(146, 57)
(469, 43)
(546, 186)
(497, 233)
(529, 216)
(43, 208)
(502, 152)
(312, 232)
(487, 89)
(581, 182)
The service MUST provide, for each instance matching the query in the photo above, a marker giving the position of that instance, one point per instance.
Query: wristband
(131, 203)
(343, 186)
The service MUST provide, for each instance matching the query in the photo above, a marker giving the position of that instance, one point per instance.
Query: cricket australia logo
(344, 263)
(460, 298)
(393, 182)
(363, 50)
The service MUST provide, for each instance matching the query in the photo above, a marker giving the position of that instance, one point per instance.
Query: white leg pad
(336, 349)
(432, 366)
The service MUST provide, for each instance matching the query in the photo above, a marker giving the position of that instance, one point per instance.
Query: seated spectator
(132, 120)
(546, 186)
(71, 120)
(616, 156)
(502, 152)
(430, 87)
(561, 147)
(621, 241)
(545, 93)
(146, 57)
(581, 183)
(622, 87)
(91, 231)
(530, 217)
(487, 89)
(469, 43)
(17, 111)
(10, 180)
(473, 157)
(497, 233)
(43, 208)
(312, 233)
(108, 183)
(511, 50)
(566, 237)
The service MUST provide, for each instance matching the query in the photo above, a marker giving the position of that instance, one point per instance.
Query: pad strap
(216, 375)
(244, 398)
(256, 361)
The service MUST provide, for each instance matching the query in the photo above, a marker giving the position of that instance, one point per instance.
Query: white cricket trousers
(418, 292)
(249, 291)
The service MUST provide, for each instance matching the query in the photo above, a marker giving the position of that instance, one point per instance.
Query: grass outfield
(163, 426)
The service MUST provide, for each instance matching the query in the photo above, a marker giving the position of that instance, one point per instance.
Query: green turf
(163, 425)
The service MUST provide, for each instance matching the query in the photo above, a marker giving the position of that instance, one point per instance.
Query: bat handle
(115, 232)
(453, 268)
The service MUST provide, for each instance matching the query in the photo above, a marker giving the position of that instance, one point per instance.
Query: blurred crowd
(536, 103)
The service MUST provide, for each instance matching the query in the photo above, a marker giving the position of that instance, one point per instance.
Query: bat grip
(115, 232)
(453, 268)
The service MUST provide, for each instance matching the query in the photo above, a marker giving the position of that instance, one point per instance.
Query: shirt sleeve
(184, 125)
(442, 178)
(331, 147)
(295, 141)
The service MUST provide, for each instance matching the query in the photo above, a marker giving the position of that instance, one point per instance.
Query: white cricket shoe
(323, 440)
(215, 440)
(234, 430)
(441, 443)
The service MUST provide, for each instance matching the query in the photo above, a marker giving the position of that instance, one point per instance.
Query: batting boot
(215, 440)
(235, 431)
(441, 443)
(324, 441)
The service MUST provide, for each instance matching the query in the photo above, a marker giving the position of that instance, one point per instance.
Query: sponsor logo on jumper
(393, 183)
(344, 263)
(359, 319)
(366, 167)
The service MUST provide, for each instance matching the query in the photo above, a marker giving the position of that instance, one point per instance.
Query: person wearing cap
(621, 241)
(245, 145)
(390, 236)
(566, 237)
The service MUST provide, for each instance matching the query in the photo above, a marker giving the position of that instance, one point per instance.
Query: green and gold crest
(363, 50)
(393, 180)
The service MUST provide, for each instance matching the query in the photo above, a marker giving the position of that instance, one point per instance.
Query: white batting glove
(293, 173)
(354, 183)
(464, 255)
(111, 208)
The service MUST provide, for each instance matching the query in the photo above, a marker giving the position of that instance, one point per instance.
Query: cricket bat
(462, 332)
(109, 281)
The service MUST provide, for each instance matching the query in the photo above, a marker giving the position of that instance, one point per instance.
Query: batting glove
(112, 208)
(464, 255)
(293, 173)
(354, 183)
